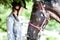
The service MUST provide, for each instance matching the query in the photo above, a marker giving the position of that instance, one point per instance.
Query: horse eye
(41, 15)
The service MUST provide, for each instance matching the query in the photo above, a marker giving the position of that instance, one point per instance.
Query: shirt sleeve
(10, 23)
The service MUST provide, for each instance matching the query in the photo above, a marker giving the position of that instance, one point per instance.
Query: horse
(39, 18)
(37, 21)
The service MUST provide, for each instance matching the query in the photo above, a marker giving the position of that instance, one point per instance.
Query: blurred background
(51, 31)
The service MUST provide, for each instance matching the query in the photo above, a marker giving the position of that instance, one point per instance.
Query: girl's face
(20, 9)
(17, 7)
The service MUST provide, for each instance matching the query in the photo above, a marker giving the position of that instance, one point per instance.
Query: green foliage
(8, 2)
(51, 38)
(5, 38)
(27, 12)
(53, 24)
(3, 15)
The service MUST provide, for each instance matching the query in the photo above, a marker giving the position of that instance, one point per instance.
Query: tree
(8, 2)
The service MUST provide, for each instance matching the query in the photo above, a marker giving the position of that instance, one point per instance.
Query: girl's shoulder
(10, 17)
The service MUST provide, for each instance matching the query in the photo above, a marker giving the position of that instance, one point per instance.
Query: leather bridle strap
(44, 12)
(34, 25)
(41, 27)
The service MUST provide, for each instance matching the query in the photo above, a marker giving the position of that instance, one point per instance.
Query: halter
(41, 27)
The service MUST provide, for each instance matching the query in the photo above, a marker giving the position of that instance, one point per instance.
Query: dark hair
(14, 4)
(20, 3)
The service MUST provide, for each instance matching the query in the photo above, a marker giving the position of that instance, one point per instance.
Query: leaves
(8, 2)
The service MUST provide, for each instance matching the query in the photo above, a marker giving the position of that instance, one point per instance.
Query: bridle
(41, 27)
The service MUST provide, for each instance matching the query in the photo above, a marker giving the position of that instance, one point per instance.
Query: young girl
(14, 26)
